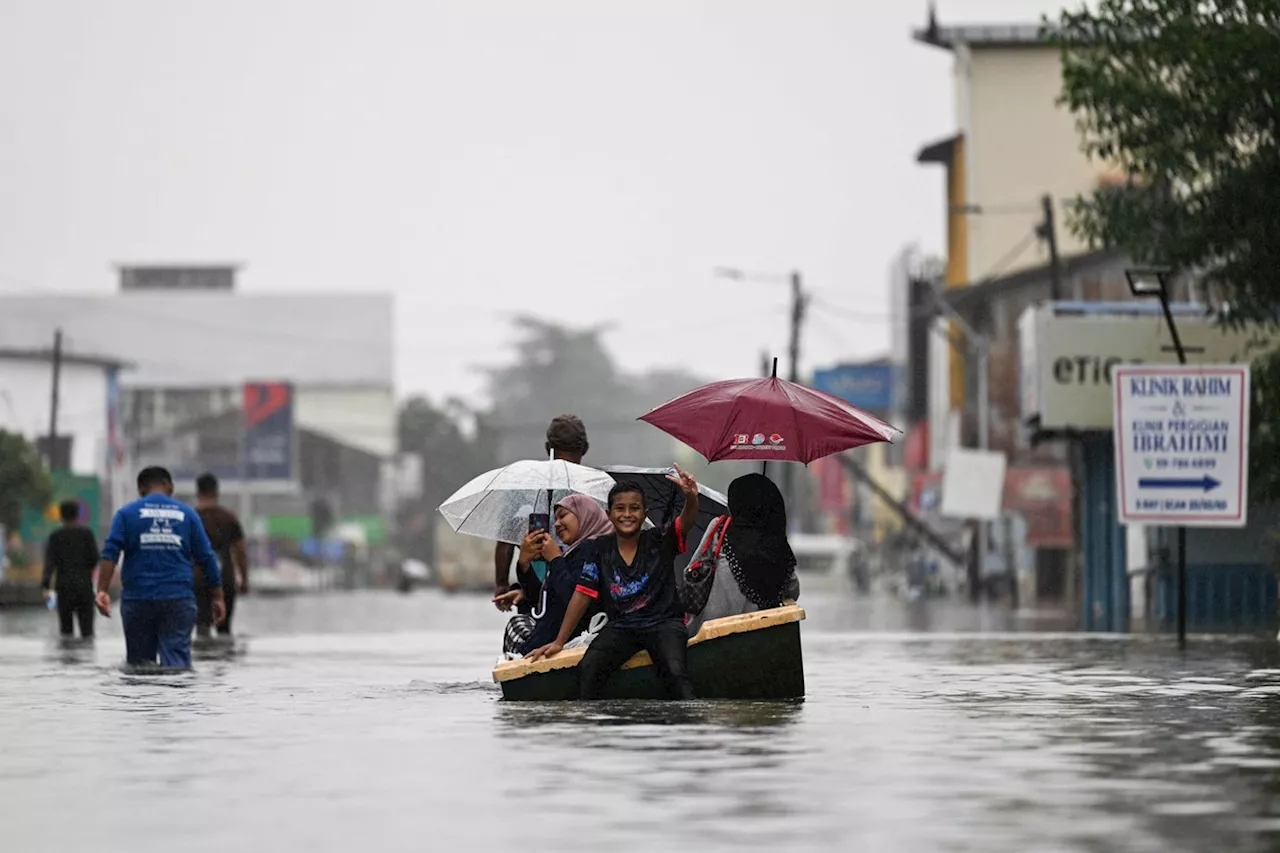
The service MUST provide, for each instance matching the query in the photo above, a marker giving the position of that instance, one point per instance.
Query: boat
(749, 656)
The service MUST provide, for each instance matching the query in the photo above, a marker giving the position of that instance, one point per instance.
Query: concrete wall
(1020, 144)
(364, 418)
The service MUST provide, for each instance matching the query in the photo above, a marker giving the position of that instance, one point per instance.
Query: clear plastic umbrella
(497, 504)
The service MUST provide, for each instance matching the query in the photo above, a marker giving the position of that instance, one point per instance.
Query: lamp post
(1147, 283)
(799, 302)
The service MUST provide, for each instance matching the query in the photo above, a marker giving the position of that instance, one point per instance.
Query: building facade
(192, 341)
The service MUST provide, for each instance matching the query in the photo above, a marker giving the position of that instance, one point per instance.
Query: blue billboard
(268, 431)
(866, 386)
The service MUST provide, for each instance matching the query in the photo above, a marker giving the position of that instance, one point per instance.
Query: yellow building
(1014, 146)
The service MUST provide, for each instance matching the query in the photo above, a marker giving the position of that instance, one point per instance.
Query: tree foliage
(558, 369)
(1183, 96)
(450, 457)
(23, 479)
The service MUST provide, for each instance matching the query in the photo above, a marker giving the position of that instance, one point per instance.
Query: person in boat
(578, 519)
(756, 569)
(633, 571)
(567, 440)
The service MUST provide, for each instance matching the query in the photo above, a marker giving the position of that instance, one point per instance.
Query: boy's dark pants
(665, 642)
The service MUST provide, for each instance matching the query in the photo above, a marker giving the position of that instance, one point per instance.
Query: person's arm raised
(689, 516)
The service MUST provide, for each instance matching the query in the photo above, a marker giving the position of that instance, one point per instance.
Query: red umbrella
(766, 420)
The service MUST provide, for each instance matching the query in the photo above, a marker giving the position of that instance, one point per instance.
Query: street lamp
(1153, 282)
(799, 301)
(1148, 283)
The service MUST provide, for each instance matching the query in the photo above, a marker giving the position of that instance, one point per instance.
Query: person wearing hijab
(577, 519)
(756, 569)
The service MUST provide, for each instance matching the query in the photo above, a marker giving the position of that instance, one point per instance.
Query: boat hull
(755, 663)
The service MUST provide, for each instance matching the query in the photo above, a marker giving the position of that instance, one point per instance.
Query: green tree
(23, 479)
(1184, 97)
(559, 369)
(450, 457)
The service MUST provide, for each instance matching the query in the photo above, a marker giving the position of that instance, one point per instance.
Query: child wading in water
(633, 572)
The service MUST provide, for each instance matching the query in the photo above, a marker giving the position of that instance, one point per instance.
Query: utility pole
(1048, 231)
(53, 396)
(798, 305)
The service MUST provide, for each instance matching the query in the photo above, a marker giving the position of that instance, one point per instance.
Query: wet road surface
(368, 722)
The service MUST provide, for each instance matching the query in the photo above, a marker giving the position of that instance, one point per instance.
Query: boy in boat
(633, 571)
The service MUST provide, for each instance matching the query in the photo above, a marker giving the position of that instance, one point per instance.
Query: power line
(851, 314)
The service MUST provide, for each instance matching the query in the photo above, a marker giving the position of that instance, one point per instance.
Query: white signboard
(1182, 444)
(1066, 359)
(973, 484)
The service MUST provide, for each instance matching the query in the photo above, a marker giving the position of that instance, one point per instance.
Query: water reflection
(720, 715)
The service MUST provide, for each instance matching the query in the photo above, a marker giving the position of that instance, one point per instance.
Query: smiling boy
(633, 572)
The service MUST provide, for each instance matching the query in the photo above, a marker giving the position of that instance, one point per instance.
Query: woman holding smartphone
(577, 519)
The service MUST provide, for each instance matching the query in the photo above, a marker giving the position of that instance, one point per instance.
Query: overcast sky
(589, 161)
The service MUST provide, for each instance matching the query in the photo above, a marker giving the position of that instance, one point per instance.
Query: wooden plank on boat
(714, 629)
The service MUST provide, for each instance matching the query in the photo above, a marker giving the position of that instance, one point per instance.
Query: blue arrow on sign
(1206, 482)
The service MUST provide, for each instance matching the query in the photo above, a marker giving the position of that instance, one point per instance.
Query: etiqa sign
(1067, 359)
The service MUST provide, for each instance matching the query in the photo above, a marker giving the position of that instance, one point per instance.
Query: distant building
(85, 382)
(193, 341)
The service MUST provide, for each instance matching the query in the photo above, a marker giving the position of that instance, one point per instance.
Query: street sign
(1182, 444)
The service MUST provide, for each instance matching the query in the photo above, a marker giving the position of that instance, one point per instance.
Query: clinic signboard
(1182, 444)
(866, 386)
(1067, 355)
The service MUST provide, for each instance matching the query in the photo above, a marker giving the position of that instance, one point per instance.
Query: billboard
(268, 431)
(866, 386)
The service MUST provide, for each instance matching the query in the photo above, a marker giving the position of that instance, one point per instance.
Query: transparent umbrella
(497, 504)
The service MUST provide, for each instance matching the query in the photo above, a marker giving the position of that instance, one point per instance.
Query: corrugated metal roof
(212, 339)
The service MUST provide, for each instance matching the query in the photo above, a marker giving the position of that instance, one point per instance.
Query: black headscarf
(756, 541)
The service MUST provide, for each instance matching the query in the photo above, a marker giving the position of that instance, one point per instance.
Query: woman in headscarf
(577, 519)
(755, 569)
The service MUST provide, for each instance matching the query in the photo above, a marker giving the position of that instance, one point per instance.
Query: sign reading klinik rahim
(1182, 444)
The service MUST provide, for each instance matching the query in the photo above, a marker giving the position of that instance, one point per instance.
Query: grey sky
(587, 160)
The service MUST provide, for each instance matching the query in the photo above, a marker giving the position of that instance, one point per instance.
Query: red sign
(916, 448)
(1043, 497)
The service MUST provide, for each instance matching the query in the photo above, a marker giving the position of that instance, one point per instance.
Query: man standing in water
(161, 540)
(227, 538)
(71, 555)
(567, 440)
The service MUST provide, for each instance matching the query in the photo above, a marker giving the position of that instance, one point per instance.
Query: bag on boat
(693, 586)
(594, 627)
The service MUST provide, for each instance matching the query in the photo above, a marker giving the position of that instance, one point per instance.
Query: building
(86, 384)
(1015, 158)
(193, 341)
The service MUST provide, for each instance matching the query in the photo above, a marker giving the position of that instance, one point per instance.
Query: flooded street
(368, 722)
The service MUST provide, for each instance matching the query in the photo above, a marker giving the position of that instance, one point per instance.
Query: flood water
(368, 722)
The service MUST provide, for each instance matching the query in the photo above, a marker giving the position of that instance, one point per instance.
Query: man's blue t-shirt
(161, 539)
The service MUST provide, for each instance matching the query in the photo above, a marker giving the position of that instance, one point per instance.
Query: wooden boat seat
(790, 612)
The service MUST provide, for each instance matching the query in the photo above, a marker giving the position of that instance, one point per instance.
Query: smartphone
(539, 522)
